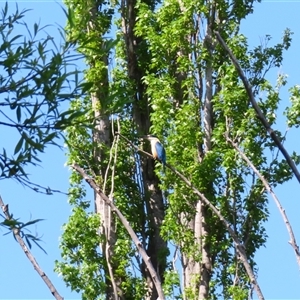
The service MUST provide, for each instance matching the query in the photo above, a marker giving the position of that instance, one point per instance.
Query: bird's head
(151, 138)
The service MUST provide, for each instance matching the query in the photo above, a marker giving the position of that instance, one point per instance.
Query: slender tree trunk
(101, 139)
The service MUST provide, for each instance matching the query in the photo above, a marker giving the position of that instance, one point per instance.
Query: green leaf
(27, 241)
(35, 28)
(18, 112)
(32, 222)
(19, 145)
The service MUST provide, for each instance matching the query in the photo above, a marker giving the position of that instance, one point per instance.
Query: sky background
(278, 275)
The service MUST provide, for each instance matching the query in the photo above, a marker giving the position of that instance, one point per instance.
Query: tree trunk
(102, 142)
(197, 274)
(157, 247)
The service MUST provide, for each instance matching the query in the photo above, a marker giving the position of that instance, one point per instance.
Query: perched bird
(157, 149)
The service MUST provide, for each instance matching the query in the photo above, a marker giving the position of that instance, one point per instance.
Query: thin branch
(108, 253)
(48, 190)
(27, 126)
(175, 257)
(115, 158)
(257, 109)
(29, 77)
(129, 229)
(292, 241)
(240, 248)
(29, 255)
(134, 146)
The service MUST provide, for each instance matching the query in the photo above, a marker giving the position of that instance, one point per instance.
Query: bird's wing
(161, 153)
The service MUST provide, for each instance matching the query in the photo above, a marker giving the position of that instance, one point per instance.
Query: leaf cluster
(37, 78)
(16, 227)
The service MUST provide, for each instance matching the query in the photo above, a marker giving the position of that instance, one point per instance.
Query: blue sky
(278, 275)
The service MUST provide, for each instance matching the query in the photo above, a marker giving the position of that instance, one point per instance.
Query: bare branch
(27, 126)
(129, 229)
(257, 109)
(292, 241)
(108, 251)
(240, 248)
(134, 146)
(37, 188)
(29, 255)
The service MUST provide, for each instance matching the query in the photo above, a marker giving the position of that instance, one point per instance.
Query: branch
(35, 187)
(29, 255)
(240, 248)
(134, 146)
(292, 241)
(8, 88)
(129, 229)
(257, 109)
(27, 126)
(108, 242)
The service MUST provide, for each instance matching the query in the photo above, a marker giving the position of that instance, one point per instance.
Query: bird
(157, 149)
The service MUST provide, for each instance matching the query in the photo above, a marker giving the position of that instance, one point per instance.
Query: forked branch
(289, 228)
(129, 229)
(257, 109)
(29, 255)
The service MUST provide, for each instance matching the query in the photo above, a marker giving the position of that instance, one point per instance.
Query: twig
(292, 241)
(29, 255)
(257, 109)
(175, 257)
(133, 145)
(129, 229)
(48, 190)
(240, 248)
(28, 77)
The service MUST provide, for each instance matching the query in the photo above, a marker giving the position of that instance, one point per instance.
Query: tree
(167, 73)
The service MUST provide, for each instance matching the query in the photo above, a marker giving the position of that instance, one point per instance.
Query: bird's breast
(153, 150)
